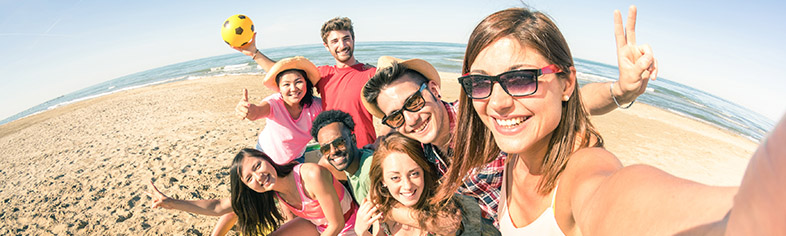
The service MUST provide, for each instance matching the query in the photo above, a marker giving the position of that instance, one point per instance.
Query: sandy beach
(83, 168)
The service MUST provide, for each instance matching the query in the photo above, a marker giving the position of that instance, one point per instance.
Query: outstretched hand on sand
(159, 200)
(637, 63)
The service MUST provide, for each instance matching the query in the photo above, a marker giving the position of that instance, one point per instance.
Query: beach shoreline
(83, 168)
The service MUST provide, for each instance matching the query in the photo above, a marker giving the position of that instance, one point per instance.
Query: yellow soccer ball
(237, 30)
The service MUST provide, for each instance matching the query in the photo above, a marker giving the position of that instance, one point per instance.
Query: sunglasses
(516, 83)
(338, 143)
(414, 103)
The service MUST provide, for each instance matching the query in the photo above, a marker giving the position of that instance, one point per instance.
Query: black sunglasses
(516, 83)
(338, 143)
(414, 103)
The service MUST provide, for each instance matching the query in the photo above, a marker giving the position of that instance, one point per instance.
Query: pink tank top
(312, 211)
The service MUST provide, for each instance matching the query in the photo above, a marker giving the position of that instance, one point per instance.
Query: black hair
(331, 116)
(257, 212)
(385, 77)
(309, 97)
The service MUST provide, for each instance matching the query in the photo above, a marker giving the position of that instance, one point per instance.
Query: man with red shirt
(339, 85)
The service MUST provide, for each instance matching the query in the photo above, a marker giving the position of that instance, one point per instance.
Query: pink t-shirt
(340, 90)
(283, 138)
(311, 210)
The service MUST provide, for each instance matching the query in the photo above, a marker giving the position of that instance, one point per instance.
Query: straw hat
(297, 62)
(419, 65)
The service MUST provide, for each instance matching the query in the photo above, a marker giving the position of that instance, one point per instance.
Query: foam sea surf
(446, 57)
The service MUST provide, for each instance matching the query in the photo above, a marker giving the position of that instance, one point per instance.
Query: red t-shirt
(340, 90)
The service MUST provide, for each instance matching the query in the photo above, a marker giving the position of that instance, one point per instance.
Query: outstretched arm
(246, 110)
(212, 207)
(605, 198)
(759, 208)
(636, 65)
(250, 49)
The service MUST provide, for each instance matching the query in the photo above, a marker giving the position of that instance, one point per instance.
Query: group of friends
(515, 155)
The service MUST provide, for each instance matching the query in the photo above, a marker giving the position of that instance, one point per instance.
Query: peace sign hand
(636, 63)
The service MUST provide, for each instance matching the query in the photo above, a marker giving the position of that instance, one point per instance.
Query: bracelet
(611, 87)
(254, 57)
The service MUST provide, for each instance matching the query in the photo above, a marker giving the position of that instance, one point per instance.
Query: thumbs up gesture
(242, 107)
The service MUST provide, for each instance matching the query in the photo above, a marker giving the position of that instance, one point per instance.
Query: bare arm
(636, 65)
(606, 199)
(212, 207)
(441, 225)
(318, 183)
(759, 208)
(247, 110)
(250, 49)
(224, 224)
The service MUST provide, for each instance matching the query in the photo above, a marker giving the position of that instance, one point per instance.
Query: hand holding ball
(237, 30)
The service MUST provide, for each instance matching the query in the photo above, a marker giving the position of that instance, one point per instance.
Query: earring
(565, 98)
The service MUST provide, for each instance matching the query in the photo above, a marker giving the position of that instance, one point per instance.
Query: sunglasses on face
(338, 143)
(516, 83)
(414, 103)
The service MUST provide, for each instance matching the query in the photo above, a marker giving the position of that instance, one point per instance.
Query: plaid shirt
(484, 184)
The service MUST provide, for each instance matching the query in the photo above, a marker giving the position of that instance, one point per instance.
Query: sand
(83, 168)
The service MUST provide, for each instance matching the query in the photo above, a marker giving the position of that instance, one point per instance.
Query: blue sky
(52, 48)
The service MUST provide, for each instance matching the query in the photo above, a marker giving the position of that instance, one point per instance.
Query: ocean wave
(110, 92)
(593, 78)
(237, 67)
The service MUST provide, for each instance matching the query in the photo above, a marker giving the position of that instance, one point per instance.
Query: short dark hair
(309, 97)
(387, 76)
(329, 117)
(338, 23)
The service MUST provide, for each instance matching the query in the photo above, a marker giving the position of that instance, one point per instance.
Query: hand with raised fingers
(637, 64)
(159, 200)
(367, 215)
(250, 48)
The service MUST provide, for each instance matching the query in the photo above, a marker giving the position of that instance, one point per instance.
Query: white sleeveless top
(545, 224)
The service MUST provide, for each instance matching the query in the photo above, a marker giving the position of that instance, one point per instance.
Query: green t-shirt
(359, 180)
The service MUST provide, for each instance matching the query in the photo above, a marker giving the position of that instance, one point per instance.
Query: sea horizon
(446, 57)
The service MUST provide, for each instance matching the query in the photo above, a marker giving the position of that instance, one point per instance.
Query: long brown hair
(380, 195)
(475, 145)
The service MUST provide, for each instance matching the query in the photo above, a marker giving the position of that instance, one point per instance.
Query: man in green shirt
(333, 131)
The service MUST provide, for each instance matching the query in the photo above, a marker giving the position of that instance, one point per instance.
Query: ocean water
(447, 57)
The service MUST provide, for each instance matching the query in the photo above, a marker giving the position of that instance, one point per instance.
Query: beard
(344, 57)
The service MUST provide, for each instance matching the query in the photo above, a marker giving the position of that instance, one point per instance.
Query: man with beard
(333, 131)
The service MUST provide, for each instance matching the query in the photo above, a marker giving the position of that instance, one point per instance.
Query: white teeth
(422, 127)
(409, 194)
(510, 122)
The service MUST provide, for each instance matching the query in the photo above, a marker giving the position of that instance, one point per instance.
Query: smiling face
(403, 178)
(342, 156)
(429, 124)
(292, 87)
(341, 45)
(258, 174)
(519, 124)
